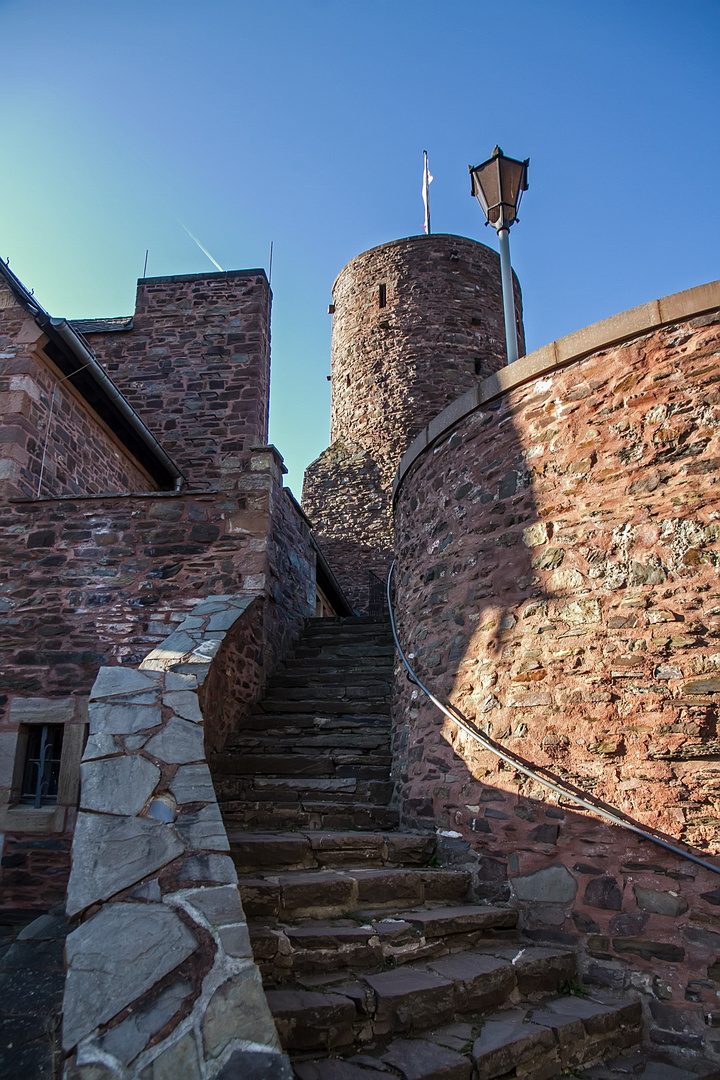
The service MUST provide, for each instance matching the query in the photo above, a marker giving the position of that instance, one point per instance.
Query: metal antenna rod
(146, 259)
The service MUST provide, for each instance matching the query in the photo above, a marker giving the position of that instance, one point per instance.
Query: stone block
(41, 710)
(257, 1065)
(112, 681)
(117, 785)
(550, 885)
(119, 718)
(192, 783)
(238, 1010)
(660, 902)
(418, 1059)
(220, 905)
(180, 1061)
(481, 981)
(114, 958)
(100, 746)
(203, 830)
(508, 1046)
(184, 703)
(235, 940)
(113, 853)
(410, 1000)
(218, 869)
(178, 742)
(603, 892)
(131, 1036)
(307, 1020)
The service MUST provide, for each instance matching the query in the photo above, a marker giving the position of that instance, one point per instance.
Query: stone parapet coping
(600, 335)
(161, 979)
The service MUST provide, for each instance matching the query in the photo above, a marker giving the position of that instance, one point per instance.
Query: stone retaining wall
(160, 976)
(557, 579)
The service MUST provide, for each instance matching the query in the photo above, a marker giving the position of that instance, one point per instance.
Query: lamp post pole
(508, 296)
(498, 184)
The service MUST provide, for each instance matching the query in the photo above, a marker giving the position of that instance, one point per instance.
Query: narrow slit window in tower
(478, 365)
(382, 295)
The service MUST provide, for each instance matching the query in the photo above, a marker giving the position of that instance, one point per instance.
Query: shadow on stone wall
(557, 582)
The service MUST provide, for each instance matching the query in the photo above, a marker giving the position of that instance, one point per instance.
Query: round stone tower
(416, 323)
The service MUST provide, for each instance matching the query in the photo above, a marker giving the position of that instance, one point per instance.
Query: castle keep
(238, 840)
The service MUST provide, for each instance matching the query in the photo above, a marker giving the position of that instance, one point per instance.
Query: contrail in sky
(203, 249)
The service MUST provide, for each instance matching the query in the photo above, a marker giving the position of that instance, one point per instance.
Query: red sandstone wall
(393, 369)
(196, 365)
(557, 580)
(82, 457)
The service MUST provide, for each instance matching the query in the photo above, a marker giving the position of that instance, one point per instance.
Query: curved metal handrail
(454, 714)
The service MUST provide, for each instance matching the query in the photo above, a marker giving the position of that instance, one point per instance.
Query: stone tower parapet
(416, 322)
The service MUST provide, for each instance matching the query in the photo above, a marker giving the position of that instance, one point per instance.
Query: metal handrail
(454, 714)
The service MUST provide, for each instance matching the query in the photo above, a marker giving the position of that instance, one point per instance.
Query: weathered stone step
(541, 1044)
(339, 668)
(319, 789)
(322, 721)
(316, 850)
(349, 649)
(370, 679)
(329, 692)
(642, 1066)
(355, 706)
(335, 893)
(414, 998)
(329, 946)
(328, 763)
(334, 740)
(308, 814)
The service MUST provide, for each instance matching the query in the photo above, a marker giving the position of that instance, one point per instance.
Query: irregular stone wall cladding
(42, 415)
(350, 506)
(558, 558)
(441, 329)
(196, 365)
(395, 367)
(160, 975)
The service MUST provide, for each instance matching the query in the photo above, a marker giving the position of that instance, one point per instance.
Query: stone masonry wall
(557, 580)
(196, 366)
(93, 582)
(41, 413)
(397, 360)
(160, 975)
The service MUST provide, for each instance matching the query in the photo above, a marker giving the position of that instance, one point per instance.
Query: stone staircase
(375, 959)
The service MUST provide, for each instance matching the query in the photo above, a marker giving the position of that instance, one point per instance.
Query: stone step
(355, 706)
(376, 740)
(308, 814)
(643, 1066)
(325, 894)
(317, 850)
(371, 679)
(340, 763)
(330, 692)
(561, 1039)
(382, 940)
(319, 789)
(321, 721)
(417, 997)
(337, 649)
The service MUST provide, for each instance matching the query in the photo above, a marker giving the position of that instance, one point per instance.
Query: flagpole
(427, 179)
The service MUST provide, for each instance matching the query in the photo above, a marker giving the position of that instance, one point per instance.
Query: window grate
(42, 765)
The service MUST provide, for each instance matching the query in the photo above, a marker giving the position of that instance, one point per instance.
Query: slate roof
(96, 326)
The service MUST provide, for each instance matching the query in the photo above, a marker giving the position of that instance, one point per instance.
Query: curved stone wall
(558, 545)
(439, 331)
(161, 979)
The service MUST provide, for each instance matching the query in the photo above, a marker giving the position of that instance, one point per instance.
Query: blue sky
(303, 122)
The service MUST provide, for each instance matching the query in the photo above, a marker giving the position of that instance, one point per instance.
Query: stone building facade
(557, 536)
(415, 323)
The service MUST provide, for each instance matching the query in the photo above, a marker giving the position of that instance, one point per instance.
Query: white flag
(427, 181)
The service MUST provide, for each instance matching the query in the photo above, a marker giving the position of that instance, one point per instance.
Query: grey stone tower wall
(416, 323)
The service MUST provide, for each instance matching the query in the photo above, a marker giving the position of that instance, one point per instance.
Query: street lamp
(498, 185)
